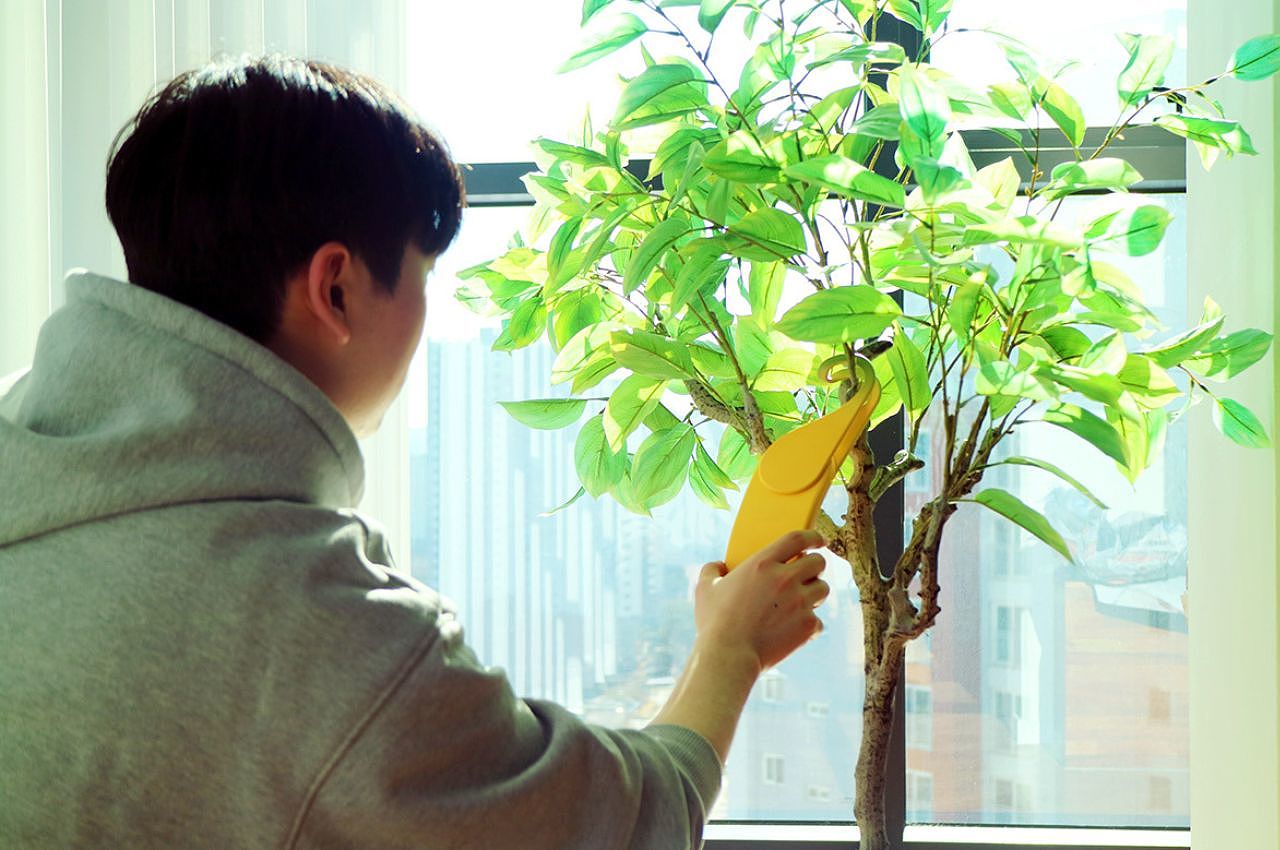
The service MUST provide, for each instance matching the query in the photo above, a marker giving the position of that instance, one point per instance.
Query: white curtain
(72, 72)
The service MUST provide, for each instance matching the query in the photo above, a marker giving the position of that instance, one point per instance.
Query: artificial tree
(836, 166)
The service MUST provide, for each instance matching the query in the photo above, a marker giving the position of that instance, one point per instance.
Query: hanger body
(795, 473)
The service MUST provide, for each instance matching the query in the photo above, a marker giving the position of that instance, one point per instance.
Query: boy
(201, 644)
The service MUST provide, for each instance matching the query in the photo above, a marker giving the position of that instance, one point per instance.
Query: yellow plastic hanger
(795, 473)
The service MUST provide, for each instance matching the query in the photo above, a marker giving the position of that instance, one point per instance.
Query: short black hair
(231, 176)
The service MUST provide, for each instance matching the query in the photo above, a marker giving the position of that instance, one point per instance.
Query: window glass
(1059, 693)
(1083, 31)
(491, 96)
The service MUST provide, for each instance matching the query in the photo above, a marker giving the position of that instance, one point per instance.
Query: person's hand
(766, 605)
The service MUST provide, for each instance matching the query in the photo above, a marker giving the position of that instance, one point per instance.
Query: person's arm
(747, 620)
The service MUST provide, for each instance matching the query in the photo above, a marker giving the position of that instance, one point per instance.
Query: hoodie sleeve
(448, 757)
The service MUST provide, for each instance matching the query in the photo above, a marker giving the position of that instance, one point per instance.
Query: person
(201, 643)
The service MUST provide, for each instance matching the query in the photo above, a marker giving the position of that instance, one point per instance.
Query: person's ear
(326, 285)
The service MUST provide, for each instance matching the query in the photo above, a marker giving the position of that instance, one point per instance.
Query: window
(1160, 793)
(919, 717)
(919, 795)
(771, 687)
(773, 769)
(590, 605)
(1008, 625)
(1086, 666)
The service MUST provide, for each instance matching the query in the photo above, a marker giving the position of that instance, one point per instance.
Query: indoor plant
(835, 160)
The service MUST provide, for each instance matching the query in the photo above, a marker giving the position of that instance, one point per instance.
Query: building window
(1160, 794)
(919, 795)
(919, 717)
(817, 709)
(774, 773)
(1158, 705)
(1008, 635)
(1008, 712)
(818, 793)
(771, 689)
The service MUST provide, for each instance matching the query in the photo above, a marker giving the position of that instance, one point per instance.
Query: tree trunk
(882, 678)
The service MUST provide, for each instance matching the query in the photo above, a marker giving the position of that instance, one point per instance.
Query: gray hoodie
(202, 645)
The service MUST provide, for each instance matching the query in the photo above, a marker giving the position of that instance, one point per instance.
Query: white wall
(1234, 252)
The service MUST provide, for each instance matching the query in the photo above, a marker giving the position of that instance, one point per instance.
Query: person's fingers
(790, 544)
(815, 592)
(712, 571)
(808, 567)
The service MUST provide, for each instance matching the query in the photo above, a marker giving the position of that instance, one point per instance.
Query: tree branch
(904, 463)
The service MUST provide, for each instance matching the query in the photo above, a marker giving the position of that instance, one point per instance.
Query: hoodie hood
(135, 402)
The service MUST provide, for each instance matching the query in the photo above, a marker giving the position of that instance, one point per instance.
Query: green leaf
(1015, 510)
(907, 11)
(936, 178)
(586, 352)
(1210, 135)
(1025, 229)
(1002, 180)
(1095, 431)
(661, 464)
(559, 271)
(524, 327)
(1149, 57)
(627, 29)
(599, 467)
(851, 179)
(1229, 356)
(1013, 100)
(843, 314)
(573, 153)
(1135, 230)
(764, 290)
(705, 490)
(658, 94)
(1239, 424)
(734, 455)
(881, 122)
(1091, 174)
(545, 413)
(786, 370)
(933, 14)
(565, 504)
(911, 374)
(702, 273)
(590, 7)
(740, 157)
(1172, 352)
(1149, 384)
(963, 307)
(712, 12)
(660, 419)
(1002, 378)
(752, 343)
(650, 354)
(1065, 112)
(1256, 59)
(1054, 470)
(767, 234)
(923, 104)
(656, 243)
(711, 470)
(633, 400)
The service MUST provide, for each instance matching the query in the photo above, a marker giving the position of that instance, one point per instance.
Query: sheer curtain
(72, 72)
